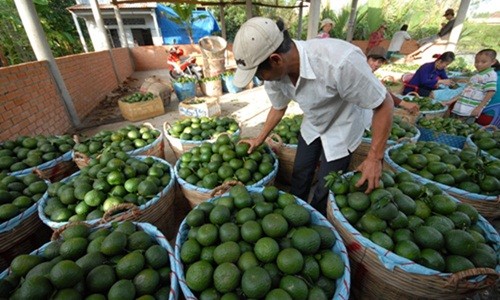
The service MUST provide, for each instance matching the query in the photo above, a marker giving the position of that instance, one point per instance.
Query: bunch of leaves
(208, 79)
(460, 65)
(185, 79)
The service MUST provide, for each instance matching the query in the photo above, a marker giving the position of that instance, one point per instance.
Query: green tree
(185, 17)
(56, 22)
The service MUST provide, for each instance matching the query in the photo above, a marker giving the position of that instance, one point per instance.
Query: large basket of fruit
(19, 197)
(135, 140)
(141, 106)
(50, 156)
(401, 130)
(191, 132)
(284, 249)
(464, 174)
(142, 183)
(452, 132)
(487, 140)
(204, 170)
(407, 240)
(283, 141)
(120, 261)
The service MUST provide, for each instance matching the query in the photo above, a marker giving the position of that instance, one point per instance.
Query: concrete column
(351, 25)
(158, 41)
(121, 29)
(80, 33)
(314, 11)
(99, 22)
(248, 9)
(457, 27)
(38, 41)
(299, 27)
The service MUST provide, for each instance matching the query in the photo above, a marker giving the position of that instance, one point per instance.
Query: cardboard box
(200, 107)
(142, 110)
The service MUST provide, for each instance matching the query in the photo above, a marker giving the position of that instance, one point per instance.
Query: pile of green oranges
(257, 244)
(211, 164)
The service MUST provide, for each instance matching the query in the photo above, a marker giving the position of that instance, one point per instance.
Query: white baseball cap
(256, 40)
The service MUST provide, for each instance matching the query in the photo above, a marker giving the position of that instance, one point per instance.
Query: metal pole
(457, 26)
(80, 33)
(248, 9)
(222, 20)
(352, 21)
(105, 44)
(38, 41)
(121, 29)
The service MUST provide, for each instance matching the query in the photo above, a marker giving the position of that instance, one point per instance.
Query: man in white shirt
(397, 41)
(333, 85)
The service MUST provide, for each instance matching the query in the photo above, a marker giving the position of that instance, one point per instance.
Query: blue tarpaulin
(174, 33)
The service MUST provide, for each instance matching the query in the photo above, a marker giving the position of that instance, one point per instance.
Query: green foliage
(460, 65)
(57, 24)
(185, 17)
(185, 79)
(476, 36)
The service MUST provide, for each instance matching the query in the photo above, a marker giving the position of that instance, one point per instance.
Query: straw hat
(326, 21)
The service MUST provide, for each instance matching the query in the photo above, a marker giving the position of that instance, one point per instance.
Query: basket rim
(19, 218)
(446, 188)
(167, 135)
(152, 231)
(471, 143)
(259, 183)
(390, 259)
(46, 165)
(343, 282)
(154, 200)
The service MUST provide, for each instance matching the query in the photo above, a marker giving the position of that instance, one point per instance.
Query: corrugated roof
(120, 6)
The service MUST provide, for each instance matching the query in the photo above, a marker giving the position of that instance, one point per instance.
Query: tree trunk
(3, 60)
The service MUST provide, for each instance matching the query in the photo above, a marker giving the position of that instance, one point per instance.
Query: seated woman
(430, 75)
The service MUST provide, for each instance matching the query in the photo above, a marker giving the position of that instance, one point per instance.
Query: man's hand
(371, 170)
(413, 108)
(254, 143)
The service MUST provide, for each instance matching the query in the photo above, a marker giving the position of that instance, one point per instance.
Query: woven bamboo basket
(343, 283)
(158, 211)
(411, 118)
(16, 234)
(286, 155)
(179, 146)
(195, 195)
(430, 114)
(487, 206)
(359, 155)
(469, 143)
(53, 170)
(381, 274)
(151, 230)
(153, 149)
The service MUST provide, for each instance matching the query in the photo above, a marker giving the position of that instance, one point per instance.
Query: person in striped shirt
(480, 89)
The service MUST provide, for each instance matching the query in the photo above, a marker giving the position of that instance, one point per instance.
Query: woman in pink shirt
(376, 38)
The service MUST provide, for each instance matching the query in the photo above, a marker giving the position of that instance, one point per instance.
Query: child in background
(479, 90)
(325, 27)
